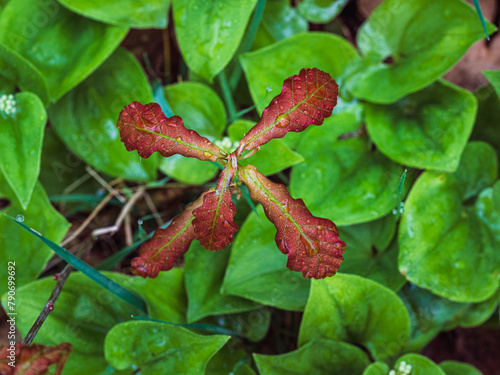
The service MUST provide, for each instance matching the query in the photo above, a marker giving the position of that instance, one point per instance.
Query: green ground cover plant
(274, 123)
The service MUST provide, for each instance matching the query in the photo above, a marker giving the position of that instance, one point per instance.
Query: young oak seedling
(312, 243)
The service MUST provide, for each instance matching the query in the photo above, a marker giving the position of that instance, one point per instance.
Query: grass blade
(481, 17)
(87, 270)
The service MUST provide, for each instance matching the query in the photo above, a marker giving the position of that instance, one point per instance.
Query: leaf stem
(49, 306)
(247, 42)
(228, 97)
(481, 17)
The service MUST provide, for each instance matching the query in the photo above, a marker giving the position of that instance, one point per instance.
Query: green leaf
(428, 129)
(421, 49)
(22, 73)
(139, 15)
(203, 111)
(419, 365)
(488, 112)
(368, 253)
(22, 247)
(380, 324)
(265, 68)
(209, 33)
(21, 138)
(260, 274)
(431, 314)
(204, 272)
(265, 160)
(317, 357)
(343, 179)
(454, 255)
(279, 21)
(321, 11)
(158, 348)
(82, 315)
(457, 368)
(85, 118)
(62, 45)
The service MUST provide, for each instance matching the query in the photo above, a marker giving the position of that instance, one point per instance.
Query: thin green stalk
(87, 270)
(228, 96)
(248, 41)
(159, 96)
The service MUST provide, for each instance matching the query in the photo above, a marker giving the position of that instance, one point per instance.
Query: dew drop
(308, 221)
(207, 154)
(20, 218)
(140, 222)
(178, 139)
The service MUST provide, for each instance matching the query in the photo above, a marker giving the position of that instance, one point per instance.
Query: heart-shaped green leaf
(317, 357)
(404, 49)
(158, 348)
(85, 118)
(21, 137)
(428, 129)
(380, 324)
(454, 254)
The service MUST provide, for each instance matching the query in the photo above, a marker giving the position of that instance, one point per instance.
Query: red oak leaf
(312, 243)
(305, 99)
(145, 128)
(166, 245)
(213, 222)
(34, 359)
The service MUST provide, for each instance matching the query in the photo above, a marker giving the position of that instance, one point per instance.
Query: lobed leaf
(312, 243)
(213, 220)
(305, 99)
(166, 245)
(34, 359)
(145, 128)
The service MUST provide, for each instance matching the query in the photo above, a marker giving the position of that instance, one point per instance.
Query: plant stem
(228, 97)
(248, 41)
(49, 306)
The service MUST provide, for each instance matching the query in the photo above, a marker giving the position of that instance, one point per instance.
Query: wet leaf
(158, 348)
(35, 359)
(321, 11)
(428, 129)
(213, 220)
(457, 368)
(145, 128)
(380, 324)
(312, 243)
(305, 99)
(160, 253)
(209, 33)
(316, 357)
(404, 49)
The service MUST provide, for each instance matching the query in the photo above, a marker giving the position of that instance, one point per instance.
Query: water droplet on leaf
(20, 218)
